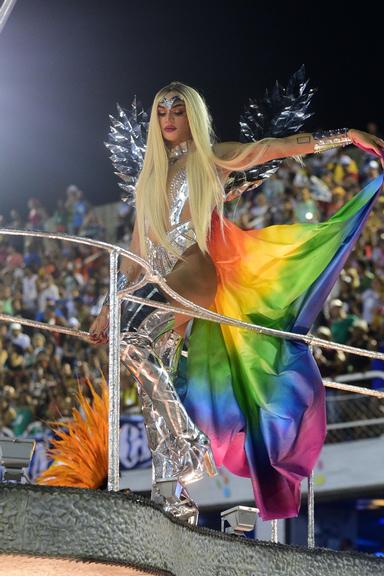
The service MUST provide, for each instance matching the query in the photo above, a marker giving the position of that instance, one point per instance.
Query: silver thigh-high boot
(181, 453)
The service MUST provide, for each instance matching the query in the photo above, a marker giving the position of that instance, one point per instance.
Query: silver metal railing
(187, 307)
(5, 11)
(352, 417)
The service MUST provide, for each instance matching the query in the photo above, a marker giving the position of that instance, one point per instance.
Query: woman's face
(173, 119)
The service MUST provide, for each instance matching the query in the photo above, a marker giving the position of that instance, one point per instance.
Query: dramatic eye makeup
(177, 110)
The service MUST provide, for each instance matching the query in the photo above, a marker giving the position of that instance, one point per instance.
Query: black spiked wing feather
(279, 113)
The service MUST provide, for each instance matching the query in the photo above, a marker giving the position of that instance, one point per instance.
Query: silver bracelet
(326, 139)
(122, 282)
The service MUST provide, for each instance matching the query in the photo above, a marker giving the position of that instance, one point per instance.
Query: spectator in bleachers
(331, 362)
(59, 218)
(36, 215)
(304, 207)
(372, 171)
(259, 216)
(372, 299)
(29, 291)
(76, 208)
(360, 337)
(340, 321)
(344, 170)
(15, 220)
(18, 338)
(337, 200)
(79, 212)
(274, 188)
(14, 259)
(3, 354)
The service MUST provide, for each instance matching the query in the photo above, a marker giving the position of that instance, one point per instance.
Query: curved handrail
(189, 307)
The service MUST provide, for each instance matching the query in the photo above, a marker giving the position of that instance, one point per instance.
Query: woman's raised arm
(237, 156)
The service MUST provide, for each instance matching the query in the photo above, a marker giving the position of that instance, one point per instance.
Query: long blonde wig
(205, 188)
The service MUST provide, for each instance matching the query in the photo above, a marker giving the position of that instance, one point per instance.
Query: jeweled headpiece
(169, 102)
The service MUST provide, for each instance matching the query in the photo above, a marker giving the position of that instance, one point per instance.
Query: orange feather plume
(80, 451)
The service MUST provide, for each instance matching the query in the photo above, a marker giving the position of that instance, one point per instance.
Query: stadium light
(15, 456)
(240, 519)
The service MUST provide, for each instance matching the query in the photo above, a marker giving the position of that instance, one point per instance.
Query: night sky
(65, 63)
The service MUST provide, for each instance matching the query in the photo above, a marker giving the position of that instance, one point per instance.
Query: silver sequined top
(181, 234)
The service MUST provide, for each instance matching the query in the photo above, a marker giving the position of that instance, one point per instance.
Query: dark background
(65, 63)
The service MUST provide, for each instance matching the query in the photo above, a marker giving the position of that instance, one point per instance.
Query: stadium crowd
(63, 284)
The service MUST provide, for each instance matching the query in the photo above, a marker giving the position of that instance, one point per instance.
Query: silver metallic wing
(127, 140)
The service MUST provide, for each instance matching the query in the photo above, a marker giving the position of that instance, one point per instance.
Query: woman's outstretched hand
(368, 142)
(98, 332)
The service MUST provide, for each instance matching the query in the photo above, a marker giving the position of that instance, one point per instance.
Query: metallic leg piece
(173, 496)
(188, 447)
(180, 451)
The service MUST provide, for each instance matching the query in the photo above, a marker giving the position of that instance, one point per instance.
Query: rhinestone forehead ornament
(169, 102)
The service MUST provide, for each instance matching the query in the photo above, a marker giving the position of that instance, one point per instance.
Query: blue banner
(134, 451)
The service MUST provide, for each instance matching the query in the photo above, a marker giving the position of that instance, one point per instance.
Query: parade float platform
(57, 531)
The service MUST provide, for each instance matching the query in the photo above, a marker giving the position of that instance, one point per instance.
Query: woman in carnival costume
(251, 402)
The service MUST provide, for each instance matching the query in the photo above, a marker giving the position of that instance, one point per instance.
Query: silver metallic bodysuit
(150, 349)
(181, 233)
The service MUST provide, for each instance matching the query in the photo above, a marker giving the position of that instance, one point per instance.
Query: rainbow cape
(260, 399)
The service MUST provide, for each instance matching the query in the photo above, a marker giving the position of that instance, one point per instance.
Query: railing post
(274, 532)
(311, 512)
(114, 376)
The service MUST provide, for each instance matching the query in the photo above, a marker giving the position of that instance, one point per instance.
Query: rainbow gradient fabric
(260, 399)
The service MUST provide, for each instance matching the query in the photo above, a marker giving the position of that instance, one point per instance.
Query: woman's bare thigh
(195, 279)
